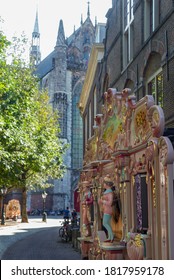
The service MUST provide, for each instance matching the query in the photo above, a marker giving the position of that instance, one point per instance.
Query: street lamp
(3, 191)
(44, 217)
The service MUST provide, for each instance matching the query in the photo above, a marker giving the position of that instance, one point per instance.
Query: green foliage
(30, 151)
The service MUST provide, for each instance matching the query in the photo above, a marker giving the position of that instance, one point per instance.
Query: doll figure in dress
(106, 202)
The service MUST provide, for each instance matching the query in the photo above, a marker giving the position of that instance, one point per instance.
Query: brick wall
(37, 201)
(144, 53)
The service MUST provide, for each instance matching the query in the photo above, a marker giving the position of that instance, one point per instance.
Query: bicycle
(65, 231)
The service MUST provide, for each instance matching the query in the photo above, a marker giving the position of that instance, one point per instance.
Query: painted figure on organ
(106, 202)
(87, 201)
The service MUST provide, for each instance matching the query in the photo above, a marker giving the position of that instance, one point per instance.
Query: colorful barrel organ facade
(128, 144)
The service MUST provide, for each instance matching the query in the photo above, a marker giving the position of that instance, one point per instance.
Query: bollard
(44, 218)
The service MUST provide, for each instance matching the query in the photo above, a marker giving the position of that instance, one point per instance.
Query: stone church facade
(62, 73)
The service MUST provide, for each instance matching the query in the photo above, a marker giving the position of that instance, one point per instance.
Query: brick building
(138, 54)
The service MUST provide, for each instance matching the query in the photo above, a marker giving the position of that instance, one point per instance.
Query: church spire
(60, 35)
(81, 19)
(35, 54)
(36, 24)
(88, 13)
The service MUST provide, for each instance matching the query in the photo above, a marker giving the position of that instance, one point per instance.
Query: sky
(19, 17)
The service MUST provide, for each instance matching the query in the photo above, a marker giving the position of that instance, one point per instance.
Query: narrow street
(35, 241)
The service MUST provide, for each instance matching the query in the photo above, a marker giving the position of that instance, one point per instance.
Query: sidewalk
(14, 231)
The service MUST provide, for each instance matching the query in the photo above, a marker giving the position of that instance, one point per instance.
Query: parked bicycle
(65, 231)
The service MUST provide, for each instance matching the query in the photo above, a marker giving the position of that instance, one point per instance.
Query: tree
(30, 150)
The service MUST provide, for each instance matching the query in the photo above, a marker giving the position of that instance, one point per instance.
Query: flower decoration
(135, 238)
(136, 249)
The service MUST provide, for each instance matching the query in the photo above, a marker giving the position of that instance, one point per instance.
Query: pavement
(35, 240)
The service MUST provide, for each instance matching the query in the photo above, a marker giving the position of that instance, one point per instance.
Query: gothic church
(62, 73)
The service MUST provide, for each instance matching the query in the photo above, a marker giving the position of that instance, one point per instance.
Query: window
(128, 13)
(151, 17)
(128, 31)
(86, 129)
(95, 104)
(155, 88)
(77, 131)
(106, 83)
(60, 104)
(90, 120)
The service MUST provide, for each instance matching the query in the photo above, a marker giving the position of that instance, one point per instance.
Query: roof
(45, 66)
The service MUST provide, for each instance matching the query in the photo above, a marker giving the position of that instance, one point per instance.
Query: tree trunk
(24, 205)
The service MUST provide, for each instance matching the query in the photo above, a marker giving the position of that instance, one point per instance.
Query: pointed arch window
(60, 104)
(77, 130)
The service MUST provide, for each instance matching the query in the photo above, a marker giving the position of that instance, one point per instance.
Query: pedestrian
(66, 214)
(74, 217)
(74, 214)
